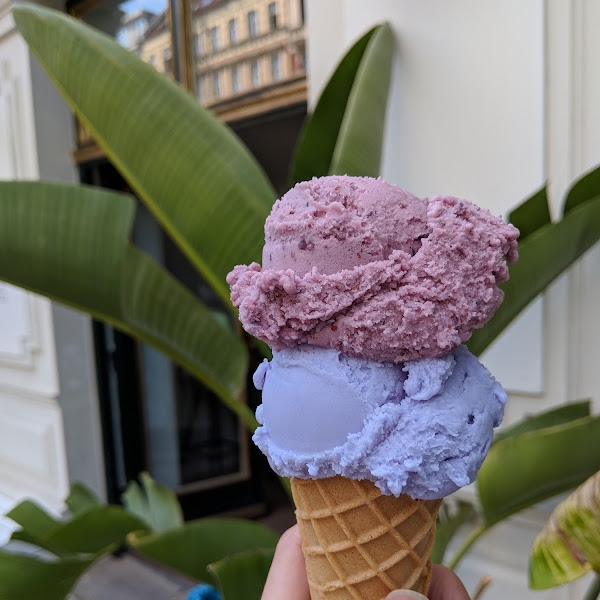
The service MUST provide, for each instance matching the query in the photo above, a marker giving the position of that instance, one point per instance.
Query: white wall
(32, 454)
(488, 101)
(36, 383)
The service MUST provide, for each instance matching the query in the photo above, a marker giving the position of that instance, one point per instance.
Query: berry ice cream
(363, 267)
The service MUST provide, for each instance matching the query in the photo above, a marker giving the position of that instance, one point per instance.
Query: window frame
(215, 41)
(235, 79)
(255, 70)
(232, 29)
(252, 24)
(273, 16)
(276, 67)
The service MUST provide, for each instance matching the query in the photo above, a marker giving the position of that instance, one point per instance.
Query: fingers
(287, 576)
(445, 585)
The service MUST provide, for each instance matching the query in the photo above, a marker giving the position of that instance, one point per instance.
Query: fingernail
(406, 594)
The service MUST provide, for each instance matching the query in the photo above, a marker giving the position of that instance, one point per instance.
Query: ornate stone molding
(20, 339)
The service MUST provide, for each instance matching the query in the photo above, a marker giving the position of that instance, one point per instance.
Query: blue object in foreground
(204, 592)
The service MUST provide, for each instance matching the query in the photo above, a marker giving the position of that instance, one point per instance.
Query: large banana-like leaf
(29, 578)
(532, 465)
(195, 176)
(543, 256)
(154, 503)
(555, 416)
(242, 576)
(32, 517)
(191, 548)
(523, 470)
(81, 499)
(72, 244)
(344, 134)
(95, 531)
(584, 189)
(532, 214)
(569, 545)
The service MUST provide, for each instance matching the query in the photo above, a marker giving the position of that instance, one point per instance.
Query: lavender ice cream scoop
(421, 427)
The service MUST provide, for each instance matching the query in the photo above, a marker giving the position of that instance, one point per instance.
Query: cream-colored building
(248, 56)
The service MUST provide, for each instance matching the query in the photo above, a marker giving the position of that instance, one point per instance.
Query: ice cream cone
(360, 544)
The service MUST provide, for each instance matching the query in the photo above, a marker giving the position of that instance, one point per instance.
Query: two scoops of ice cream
(366, 294)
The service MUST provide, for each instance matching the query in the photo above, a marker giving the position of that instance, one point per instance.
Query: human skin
(287, 576)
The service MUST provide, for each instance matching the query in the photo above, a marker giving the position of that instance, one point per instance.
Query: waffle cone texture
(360, 544)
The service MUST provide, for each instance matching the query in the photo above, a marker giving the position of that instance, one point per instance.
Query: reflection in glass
(235, 79)
(140, 26)
(254, 75)
(272, 16)
(254, 45)
(252, 24)
(275, 71)
(198, 48)
(217, 84)
(233, 36)
(214, 38)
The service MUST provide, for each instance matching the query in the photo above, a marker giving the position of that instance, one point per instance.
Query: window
(153, 60)
(200, 89)
(214, 38)
(252, 24)
(235, 79)
(233, 35)
(254, 76)
(272, 16)
(198, 49)
(275, 68)
(168, 60)
(217, 84)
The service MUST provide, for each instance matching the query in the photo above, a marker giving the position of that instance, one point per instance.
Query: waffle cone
(360, 544)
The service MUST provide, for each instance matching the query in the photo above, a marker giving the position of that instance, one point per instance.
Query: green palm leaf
(72, 244)
(191, 548)
(195, 176)
(27, 577)
(242, 576)
(569, 545)
(522, 470)
(543, 256)
(154, 503)
(555, 416)
(81, 499)
(532, 214)
(584, 189)
(344, 134)
(532, 465)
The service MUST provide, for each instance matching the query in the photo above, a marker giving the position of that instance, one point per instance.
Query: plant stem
(287, 486)
(481, 586)
(471, 539)
(593, 591)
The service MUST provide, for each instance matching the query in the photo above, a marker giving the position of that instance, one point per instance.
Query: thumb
(405, 595)
(287, 576)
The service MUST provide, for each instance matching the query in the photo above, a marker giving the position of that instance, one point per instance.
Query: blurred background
(488, 102)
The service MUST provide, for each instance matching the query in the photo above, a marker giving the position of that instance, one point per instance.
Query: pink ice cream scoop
(358, 265)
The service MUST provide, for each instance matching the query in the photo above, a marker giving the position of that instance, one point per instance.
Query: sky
(155, 6)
